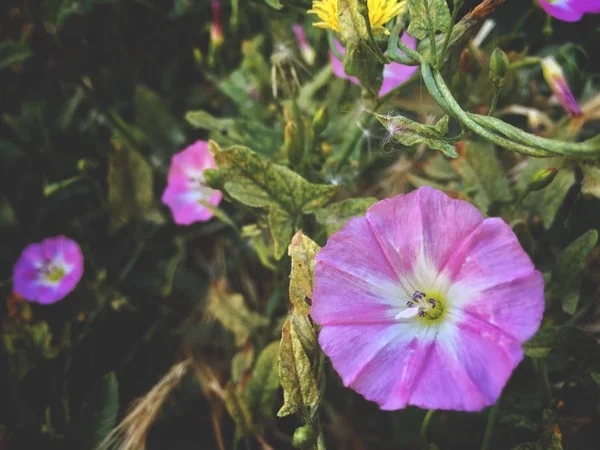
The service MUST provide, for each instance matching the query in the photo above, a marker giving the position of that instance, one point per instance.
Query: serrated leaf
(302, 251)
(261, 390)
(130, 192)
(100, 412)
(156, 120)
(255, 181)
(14, 52)
(566, 278)
(334, 216)
(231, 311)
(426, 14)
(483, 177)
(408, 132)
(300, 365)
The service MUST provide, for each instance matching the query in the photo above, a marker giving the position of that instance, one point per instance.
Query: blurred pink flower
(308, 53)
(394, 74)
(186, 190)
(48, 270)
(570, 10)
(216, 27)
(424, 302)
(555, 77)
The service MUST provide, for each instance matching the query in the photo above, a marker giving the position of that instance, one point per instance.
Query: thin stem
(393, 50)
(489, 429)
(442, 54)
(494, 101)
(332, 46)
(425, 425)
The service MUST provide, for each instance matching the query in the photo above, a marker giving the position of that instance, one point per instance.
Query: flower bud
(292, 144)
(542, 178)
(308, 53)
(499, 64)
(555, 77)
(320, 121)
(304, 437)
(216, 28)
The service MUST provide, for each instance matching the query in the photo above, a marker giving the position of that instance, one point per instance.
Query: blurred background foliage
(97, 95)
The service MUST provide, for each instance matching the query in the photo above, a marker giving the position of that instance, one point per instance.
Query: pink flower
(424, 302)
(186, 191)
(216, 28)
(48, 270)
(394, 74)
(570, 10)
(308, 53)
(555, 77)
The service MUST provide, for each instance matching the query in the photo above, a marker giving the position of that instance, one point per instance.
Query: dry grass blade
(132, 432)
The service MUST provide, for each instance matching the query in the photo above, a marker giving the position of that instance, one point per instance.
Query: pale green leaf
(334, 216)
(231, 311)
(409, 133)
(275, 4)
(566, 278)
(14, 52)
(426, 14)
(302, 251)
(238, 410)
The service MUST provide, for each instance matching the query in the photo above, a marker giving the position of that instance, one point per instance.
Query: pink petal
(424, 223)
(564, 10)
(185, 205)
(353, 280)
(494, 279)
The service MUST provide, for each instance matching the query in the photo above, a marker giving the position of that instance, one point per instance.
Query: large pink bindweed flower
(48, 270)
(555, 77)
(186, 193)
(570, 10)
(394, 74)
(424, 302)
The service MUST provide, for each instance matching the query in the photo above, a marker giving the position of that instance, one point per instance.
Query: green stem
(394, 52)
(489, 429)
(494, 101)
(455, 8)
(425, 426)
(332, 46)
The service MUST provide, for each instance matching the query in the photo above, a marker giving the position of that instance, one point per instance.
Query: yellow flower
(380, 13)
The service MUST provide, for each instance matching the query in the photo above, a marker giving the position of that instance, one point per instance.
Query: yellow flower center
(380, 13)
(428, 307)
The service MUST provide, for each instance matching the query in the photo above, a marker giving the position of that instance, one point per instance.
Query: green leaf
(255, 181)
(566, 278)
(130, 191)
(300, 365)
(557, 338)
(546, 202)
(231, 310)
(360, 60)
(334, 216)
(483, 177)
(596, 377)
(155, 119)
(261, 390)
(426, 14)
(266, 140)
(551, 438)
(239, 412)
(275, 4)
(591, 180)
(409, 133)
(439, 168)
(100, 411)
(14, 52)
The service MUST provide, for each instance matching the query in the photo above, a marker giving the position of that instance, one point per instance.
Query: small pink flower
(394, 74)
(570, 10)
(424, 302)
(186, 191)
(308, 53)
(48, 270)
(555, 77)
